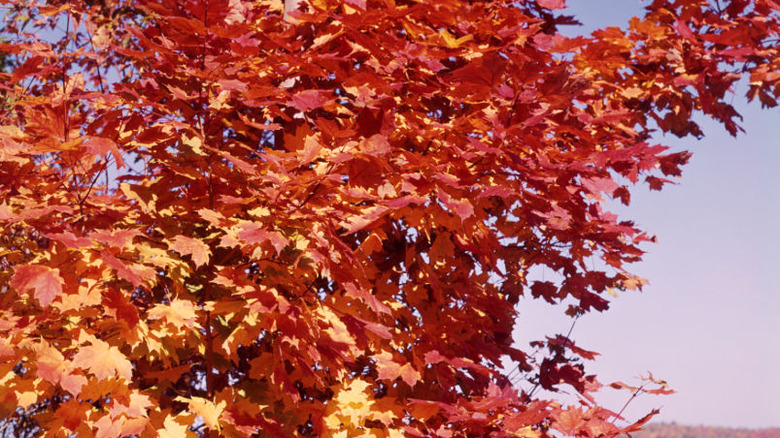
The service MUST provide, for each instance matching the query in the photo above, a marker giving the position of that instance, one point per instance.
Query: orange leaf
(53, 368)
(6, 212)
(254, 233)
(102, 146)
(45, 281)
(71, 413)
(135, 406)
(115, 238)
(569, 421)
(50, 363)
(108, 427)
(552, 4)
(122, 270)
(377, 144)
(102, 359)
(199, 251)
(73, 383)
(389, 369)
(6, 348)
(461, 207)
(311, 147)
(213, 217)
(409, 375)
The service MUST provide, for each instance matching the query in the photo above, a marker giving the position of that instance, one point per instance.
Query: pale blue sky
(709, 323)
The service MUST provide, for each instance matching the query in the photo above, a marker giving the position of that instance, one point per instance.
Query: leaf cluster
(218, 219)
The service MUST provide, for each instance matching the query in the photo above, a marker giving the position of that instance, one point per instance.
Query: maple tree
(219, 218)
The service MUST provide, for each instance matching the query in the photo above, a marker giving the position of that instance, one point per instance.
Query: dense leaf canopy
(224, 220)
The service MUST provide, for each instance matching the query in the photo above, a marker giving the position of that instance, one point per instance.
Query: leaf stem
(633, 396)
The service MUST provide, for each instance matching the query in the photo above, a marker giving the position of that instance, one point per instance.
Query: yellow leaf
(632, 92)
(179, 313)
(145, 197)
(451, 42)
(351, 405)
(195, 143)
(338, 331)
(155, 256)
(259, 212)
(205, 409)
(173, 429)
(26, 398)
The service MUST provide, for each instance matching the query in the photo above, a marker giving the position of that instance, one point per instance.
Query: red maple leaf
(552, 4)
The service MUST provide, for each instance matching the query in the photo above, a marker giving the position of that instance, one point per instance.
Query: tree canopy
(221, 219)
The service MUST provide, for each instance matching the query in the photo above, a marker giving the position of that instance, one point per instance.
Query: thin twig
(633, 396)
(565, 344)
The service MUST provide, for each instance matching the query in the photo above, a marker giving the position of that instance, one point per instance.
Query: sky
(709, 322)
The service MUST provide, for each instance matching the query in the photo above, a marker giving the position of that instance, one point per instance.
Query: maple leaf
(388, 369)
(637, 426)
(352, 404)
(254, 233)
(552, 4)
(461, 207)
(311, 148)
(103, 146)
(122, 270)
(442, 247)
(308, 99)
(6, 348)
(101, 359)
(25, 399)
(115, 238)
(53, 367)
(43, 280)
(50, 363)
(6, 212)
(73, 383)
(209, 411)
(137, 406)
(108, 427)
(377, 144)
(195, 248)
(70, 239)
(569, 421)
(124, 308)
(71, 413)
(180, 313)
(173, 428)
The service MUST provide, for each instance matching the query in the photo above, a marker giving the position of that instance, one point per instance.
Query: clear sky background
(709, 322)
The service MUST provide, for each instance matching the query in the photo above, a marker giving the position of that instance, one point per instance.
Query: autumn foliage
(221, 220)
